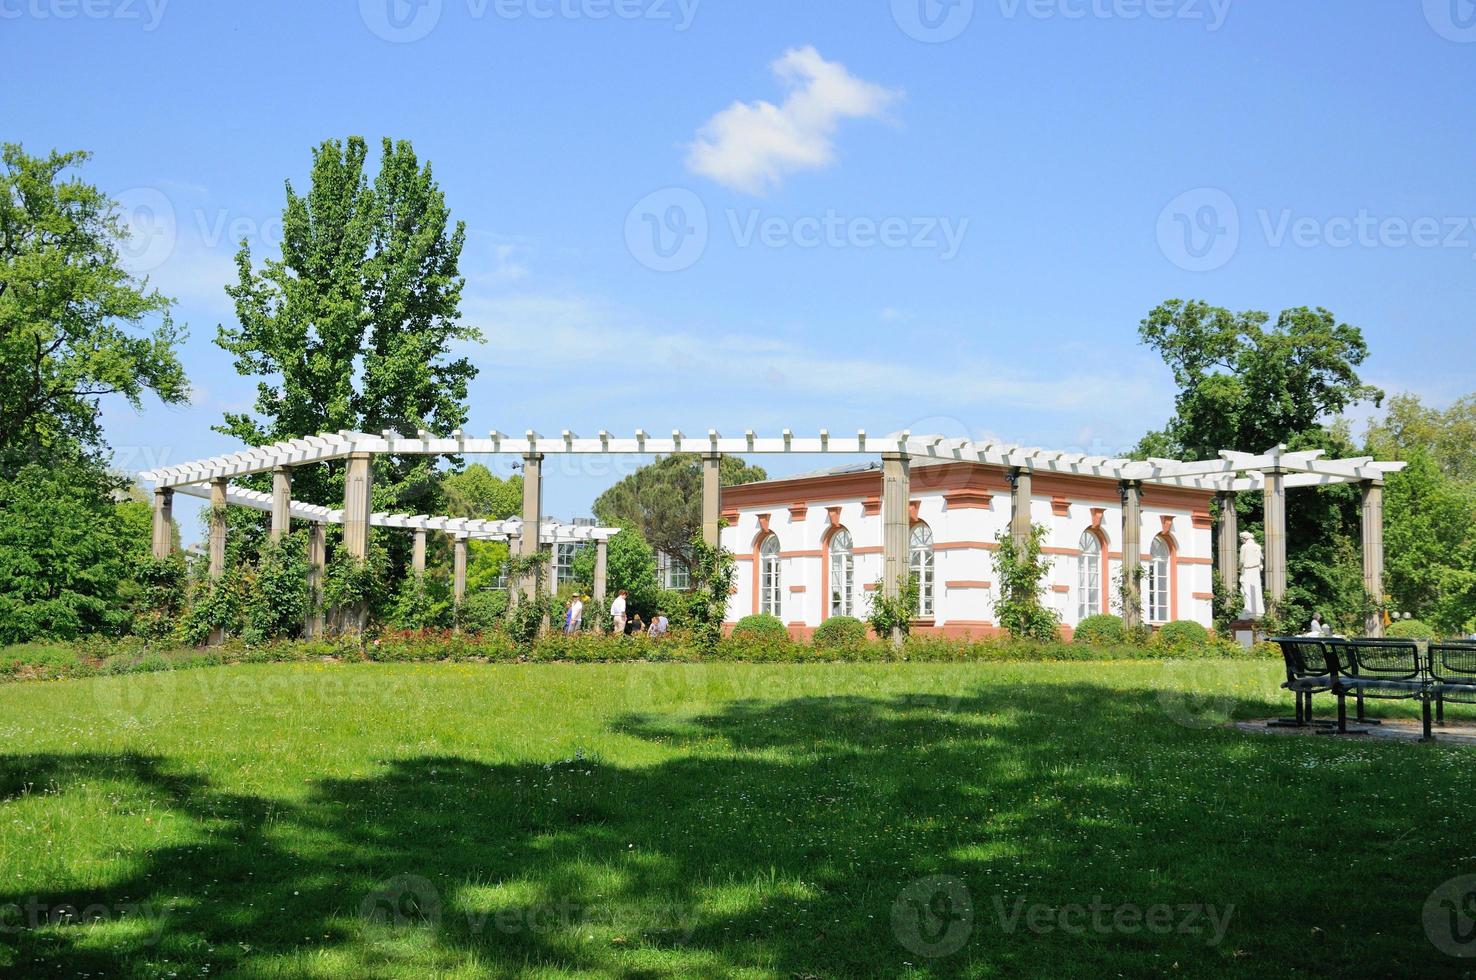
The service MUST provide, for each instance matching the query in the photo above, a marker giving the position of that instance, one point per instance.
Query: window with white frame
(564, 555)
(1160, 581)
(769, 579)
(674, 570)
(1089, 576)
(842, 574)
(920, 566)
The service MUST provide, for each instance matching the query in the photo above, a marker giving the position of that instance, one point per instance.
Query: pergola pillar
(458, 568)
(218, 526)
(317, 558)
(358, 483)
(281, 502)
(896, 524)
(1132, 553)
(712, 497)
(163, 538)
(1275, 512)
(602, 571)
(1020, 491)
(1228, 543)
(417, 553)
(1373, 554)
(532, 517)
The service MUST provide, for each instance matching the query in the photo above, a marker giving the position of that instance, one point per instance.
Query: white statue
(1252, 586)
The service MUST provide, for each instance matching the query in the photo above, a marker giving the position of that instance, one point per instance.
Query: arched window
(769, 576)
(920, 566)
(1160, 581)
(842, 574)
(1089, 576)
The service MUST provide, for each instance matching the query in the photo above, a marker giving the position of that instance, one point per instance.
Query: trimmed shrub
(1411, 629)
(1182, 633)
(1100, 630)
(839, 631)
(761, 626)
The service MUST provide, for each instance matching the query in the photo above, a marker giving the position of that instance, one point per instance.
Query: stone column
(551, 580)
(281, 502)
(458, 569)
(163, 523)
(1020, 523)
(1275, 509)
(417, 554)
(218, 526)
(1373, 553)
(896, 525)
(1132, 552)
(532, 516)
(602, 571)
(358, 482)
(317, 557)
(1229, 543)
(712, 497)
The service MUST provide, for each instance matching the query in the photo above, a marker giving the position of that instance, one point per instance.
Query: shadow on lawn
(784, 840)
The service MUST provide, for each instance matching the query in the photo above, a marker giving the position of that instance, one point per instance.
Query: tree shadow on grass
(817, 836)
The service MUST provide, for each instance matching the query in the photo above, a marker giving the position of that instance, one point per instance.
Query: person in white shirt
(658, 625)
(576, 616)
(617, 614)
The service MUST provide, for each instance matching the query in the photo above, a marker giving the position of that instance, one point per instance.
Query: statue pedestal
(1247, 632)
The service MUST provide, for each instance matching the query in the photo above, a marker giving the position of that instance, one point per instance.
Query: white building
(810, 547)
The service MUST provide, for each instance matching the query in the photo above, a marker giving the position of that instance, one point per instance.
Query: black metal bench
(1452, 674)
(1306, 675)
(1383, 669)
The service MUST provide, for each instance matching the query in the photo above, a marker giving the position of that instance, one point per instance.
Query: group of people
(620, 623)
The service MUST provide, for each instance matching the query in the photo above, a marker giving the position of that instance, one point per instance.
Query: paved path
(1395, 729)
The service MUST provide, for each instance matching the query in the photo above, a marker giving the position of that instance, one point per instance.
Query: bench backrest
(1383, 659)
(1453, 661)
(1304, 656)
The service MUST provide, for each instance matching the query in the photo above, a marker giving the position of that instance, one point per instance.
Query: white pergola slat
(477, 530)
(1231, 472)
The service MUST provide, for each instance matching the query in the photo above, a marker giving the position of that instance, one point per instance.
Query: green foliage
(1412, 629)
(351, 327)
(1099, 630)
(482, 612)
(70, 318)
(478, 493)
(215, 607)
(161, 594)
(277, 603)
(761, 626)
(1022, 573)
(706, 606)
(663, 500)
(839, 632)
(1182, 633)
(892, 616)
(419, 604)
(1430, 543)
(630, 566)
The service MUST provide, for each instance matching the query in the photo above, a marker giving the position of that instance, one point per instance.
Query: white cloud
(752, 146)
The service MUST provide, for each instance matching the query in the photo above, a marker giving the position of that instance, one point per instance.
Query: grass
(643, 820)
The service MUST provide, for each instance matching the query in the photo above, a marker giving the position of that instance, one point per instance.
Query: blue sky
(881, 214)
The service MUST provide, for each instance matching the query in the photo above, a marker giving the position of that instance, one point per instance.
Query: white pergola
(1272, 472)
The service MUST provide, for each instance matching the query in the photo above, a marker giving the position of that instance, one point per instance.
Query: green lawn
(1059, 820)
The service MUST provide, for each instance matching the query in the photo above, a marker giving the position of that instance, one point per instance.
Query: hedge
(762, 625)
(1182, 633)
(839, 631)
(1411, 629)
(1100, 629)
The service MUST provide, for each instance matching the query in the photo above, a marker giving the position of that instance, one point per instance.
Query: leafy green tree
(352, 326)
(72, 319)
(1448, 437)
(1430, 544)
(630, 565)
(1022, 572)
(663, 500)
(1244, 385)
(478, 493)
